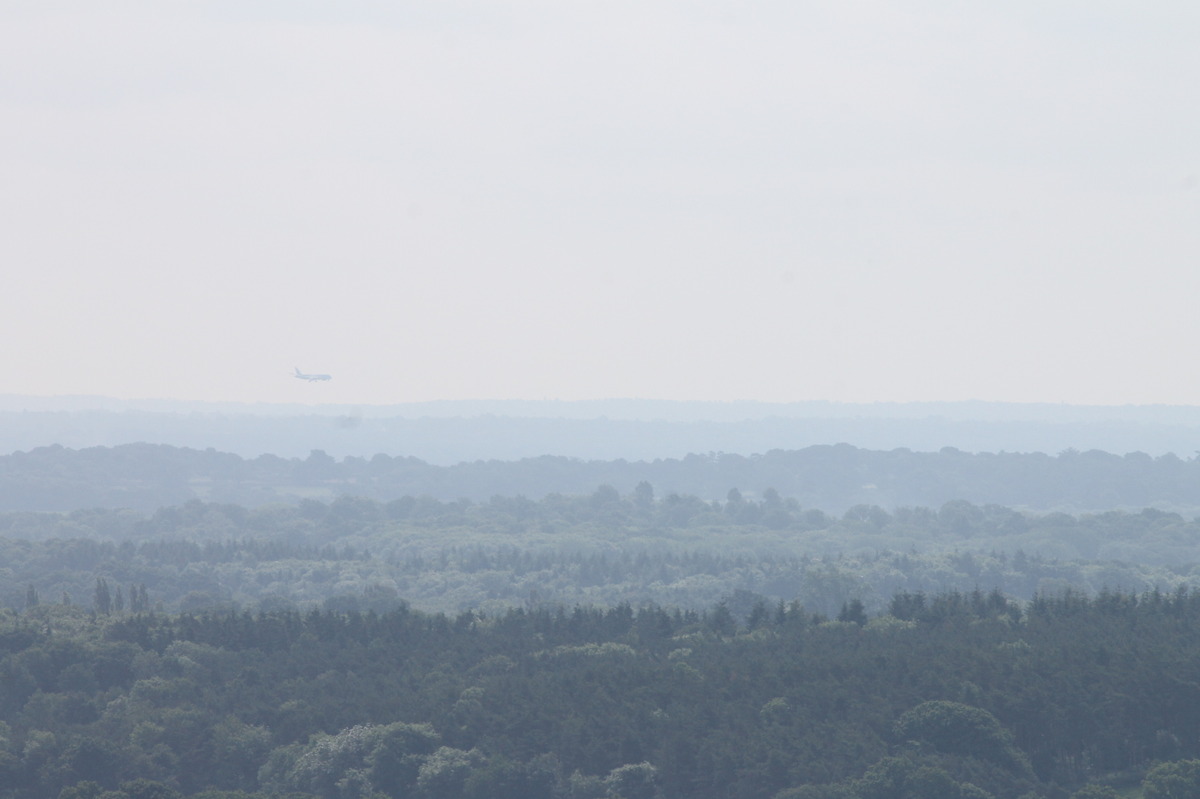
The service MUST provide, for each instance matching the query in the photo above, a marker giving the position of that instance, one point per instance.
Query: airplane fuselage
(311, 378)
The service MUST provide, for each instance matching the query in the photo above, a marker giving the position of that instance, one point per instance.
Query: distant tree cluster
(601, 548)
(832, 478)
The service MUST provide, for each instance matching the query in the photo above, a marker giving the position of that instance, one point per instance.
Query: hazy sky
(854, 201)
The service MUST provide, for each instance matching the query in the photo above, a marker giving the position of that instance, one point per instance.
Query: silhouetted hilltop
(447, 433)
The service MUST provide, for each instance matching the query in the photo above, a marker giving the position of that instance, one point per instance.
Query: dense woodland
(950, 695)
(613, 643)
(597, 549)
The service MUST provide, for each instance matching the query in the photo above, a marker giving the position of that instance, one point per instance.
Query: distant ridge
(452, 432)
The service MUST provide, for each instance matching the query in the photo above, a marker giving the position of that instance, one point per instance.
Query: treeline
(467, 431)
(831, 478)
(965, 695)
(602, 549)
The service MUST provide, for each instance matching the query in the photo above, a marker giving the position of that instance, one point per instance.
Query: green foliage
(839, 478)
(853, 612)
(148, 789)
(501, 778)
(444, 773)
(302, 669)
(1176, 780)
(957, 728)
(633, 781)
(355, 554)
(598, 702)
(836, 791)
(355, 762)
(905, 778)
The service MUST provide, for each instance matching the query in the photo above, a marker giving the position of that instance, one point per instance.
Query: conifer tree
(102, 598)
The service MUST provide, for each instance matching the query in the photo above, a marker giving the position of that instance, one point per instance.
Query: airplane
(311, 378)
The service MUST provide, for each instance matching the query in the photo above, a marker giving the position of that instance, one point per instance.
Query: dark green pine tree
(102, 597)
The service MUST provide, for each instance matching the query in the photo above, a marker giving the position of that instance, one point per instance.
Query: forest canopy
(829, 478)
(597, 549)
(960, 695)
(622, 641)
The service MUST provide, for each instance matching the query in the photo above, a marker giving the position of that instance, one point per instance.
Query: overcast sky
(850, 201)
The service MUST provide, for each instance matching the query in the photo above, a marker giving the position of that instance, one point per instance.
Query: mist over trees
(447, 433)
(828, 478)
(602, 548)
(829, 621)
